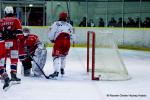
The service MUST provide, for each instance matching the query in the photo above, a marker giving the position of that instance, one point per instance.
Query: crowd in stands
(114, 23)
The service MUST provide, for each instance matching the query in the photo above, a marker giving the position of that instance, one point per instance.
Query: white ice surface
(77, 85)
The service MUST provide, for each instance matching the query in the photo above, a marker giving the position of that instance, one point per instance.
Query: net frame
(94, 76)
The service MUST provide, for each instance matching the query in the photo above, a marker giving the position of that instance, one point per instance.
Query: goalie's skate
(27, 72)
(54, 75)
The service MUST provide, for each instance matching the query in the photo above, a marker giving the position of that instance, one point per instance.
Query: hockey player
(10, 27)
(60, 35)
(31, 48)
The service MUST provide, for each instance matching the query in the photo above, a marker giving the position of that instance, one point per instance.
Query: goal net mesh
(108, 62)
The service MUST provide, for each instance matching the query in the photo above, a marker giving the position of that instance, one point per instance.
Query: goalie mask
(26, 31)
(8, 10)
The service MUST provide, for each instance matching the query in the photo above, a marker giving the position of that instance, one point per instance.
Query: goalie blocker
(30, 47)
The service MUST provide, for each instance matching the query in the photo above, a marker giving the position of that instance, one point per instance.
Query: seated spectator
(146, 23)
(101, 22)
(83, 22)
(131, 22)
(91, 23)
(138, 22)
(119, 23)
(112, 22)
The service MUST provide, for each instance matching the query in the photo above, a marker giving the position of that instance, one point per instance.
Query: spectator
(83, 22)
(138, 22)
(101, 22)
(91, 23)
(119, 24)
(131, 22)
(112, 22)
(146, 23)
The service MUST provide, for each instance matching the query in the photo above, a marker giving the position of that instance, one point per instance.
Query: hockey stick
(47, 77)
(68, 10)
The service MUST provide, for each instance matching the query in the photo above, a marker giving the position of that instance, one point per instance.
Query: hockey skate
(62, 72)
(54, 75)
(6, 84)
(14, 78)
(6, 81)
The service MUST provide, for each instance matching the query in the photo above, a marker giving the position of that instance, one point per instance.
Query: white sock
(56, 63)
(63, 62)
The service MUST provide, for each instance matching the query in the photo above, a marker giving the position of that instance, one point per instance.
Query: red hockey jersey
(11, 23)
(30, 41)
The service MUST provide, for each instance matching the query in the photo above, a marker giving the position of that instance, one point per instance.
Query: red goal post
(104, 62)
(93, 77)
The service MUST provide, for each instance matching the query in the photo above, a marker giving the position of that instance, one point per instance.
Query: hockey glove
(52, 41)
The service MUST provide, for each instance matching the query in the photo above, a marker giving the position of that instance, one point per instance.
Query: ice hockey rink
(76, 84)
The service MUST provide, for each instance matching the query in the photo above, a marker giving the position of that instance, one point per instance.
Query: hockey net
(103, 58)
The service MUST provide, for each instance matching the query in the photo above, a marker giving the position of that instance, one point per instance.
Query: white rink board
(123, 36)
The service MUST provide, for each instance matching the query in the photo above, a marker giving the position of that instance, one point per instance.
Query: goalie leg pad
(40, 58)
